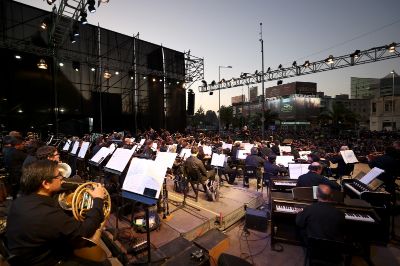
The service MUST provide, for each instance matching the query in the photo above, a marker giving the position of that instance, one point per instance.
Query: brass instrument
(80, 202)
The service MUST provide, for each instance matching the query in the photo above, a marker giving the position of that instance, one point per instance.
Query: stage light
(45, 24)
(107, 74)
(243, 75)
(306, 64)
(75, 29)
(211, 93)
(117, 73)
(356, 54)
(280, 66)
(50, 2)
(83, 18)
(62, 110)
(330, 60)
(222, 81)
(177, 82)
(72, 38)
(93, 69)
(17, 56)
(256, 72)
(131, 74)
(76, 65)
(20, 111)
(269, 69)
(279, 82)
(154, 80)
(61, 64)
(213, 83)
(144, 77)
(294, 64)
(42, 64)
(204, 83)
(392, 47)
(161, 80)
(91, 7)
(104, 1)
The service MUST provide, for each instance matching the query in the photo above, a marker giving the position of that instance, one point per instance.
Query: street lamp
(392, 72)
(219, 97)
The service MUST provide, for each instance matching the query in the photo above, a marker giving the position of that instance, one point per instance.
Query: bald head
(324, 193)
(315, 167)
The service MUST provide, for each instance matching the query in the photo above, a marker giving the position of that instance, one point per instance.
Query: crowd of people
(33, 175)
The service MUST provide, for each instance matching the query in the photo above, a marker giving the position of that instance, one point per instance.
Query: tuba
(80, 202)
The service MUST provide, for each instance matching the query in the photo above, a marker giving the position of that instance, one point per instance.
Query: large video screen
(295, 108)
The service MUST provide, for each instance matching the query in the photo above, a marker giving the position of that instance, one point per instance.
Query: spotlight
(93, 69)
(45, 24)
(154, 80)
(177, 82)
(83, 18)
(392, 47)
(131, 74)
(213, 83)
(268, 70)
(356, 54)
(107, 74)
(144, 77)
(222, 81)
(91, 7)
(306, 64)
(330, 60)
(204, 83)
(75, 29)
(117, 73)
(20, 111)
(161, 80)
(42, 64)
(211, 93)
(61, 64)
(72, 38)
(76, 65)
(17, 56)
(294, 64)
(50, 2)
(256, 72)
(280, 66)
(243, 75)
(279, 82)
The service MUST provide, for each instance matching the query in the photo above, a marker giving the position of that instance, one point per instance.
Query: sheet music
(154, 146)
(218, 159)
(100, 155)
(226, 146)
(119, 159)
(247, 147)
(75, 147)
(371, 175)
(297, 169)
(166, 159)
(207, 150)
(172, 148)
(284, 160)
(142, 142)
(185, 153)
(349, 156)
(285, 149)
(303, 154)
(112, 148)
(83, 150)
(242, 154)
(144, 177)
(134, 148)
(67, 145)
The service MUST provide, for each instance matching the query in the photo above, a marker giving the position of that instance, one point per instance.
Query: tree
(226, 115)
(211, 118)
(199, 118)
(269, 116)
(339, 117)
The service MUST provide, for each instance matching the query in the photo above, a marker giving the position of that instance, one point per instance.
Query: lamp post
(392, 125)
(262, 86)
(219, 97)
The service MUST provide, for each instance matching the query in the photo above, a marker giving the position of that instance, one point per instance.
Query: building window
(374, 107)
(388, 106)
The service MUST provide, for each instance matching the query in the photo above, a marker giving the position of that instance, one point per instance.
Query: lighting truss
(362, 57)
(194, 69)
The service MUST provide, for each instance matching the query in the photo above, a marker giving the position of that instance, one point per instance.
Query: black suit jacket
(313, 179)
(322, 220)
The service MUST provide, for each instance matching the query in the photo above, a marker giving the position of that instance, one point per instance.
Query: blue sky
(226, 32)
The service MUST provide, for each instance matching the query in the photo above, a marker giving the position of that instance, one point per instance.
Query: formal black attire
(323, 221)
(13, 160)
(342, 168)
(392, 170)
(311, 179)
(257, 162)
(39, 232)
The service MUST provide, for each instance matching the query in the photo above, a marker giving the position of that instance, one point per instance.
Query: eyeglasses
(57, 154)
(59, 176)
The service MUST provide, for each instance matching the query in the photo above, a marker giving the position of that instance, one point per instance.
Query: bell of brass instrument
(64, 169)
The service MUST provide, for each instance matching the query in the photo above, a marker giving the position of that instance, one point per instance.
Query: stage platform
(188, 222)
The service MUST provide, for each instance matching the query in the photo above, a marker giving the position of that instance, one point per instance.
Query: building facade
(385, 113)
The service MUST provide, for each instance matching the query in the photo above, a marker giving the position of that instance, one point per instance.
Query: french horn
(64, 169)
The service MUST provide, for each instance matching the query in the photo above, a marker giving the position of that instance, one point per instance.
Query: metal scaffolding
(331, 63)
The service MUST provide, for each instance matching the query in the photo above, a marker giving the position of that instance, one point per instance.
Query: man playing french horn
(38, 231)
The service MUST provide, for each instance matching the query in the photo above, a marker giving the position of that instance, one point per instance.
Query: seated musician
(271, 169)
(48, 153)
(314, 178)
(193, 166)
(254, 160)
(342, 169)
(321, 219)
(38, 231)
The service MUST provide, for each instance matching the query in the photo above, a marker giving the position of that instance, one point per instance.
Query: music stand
(143, 184)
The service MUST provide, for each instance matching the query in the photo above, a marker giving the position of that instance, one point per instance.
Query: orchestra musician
(256, 161)
(38, 231)
(314, 178)
(271, 169)
(321, 219)
(342, 169)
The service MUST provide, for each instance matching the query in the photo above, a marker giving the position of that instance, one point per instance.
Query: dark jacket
(313, 179)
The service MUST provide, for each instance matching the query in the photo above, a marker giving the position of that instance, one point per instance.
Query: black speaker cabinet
(256, 219)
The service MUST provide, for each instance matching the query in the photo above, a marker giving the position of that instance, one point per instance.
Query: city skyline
(227, 33)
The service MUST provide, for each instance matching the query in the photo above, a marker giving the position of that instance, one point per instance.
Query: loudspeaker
(228, 260)
(256, 219)
(190, 108)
